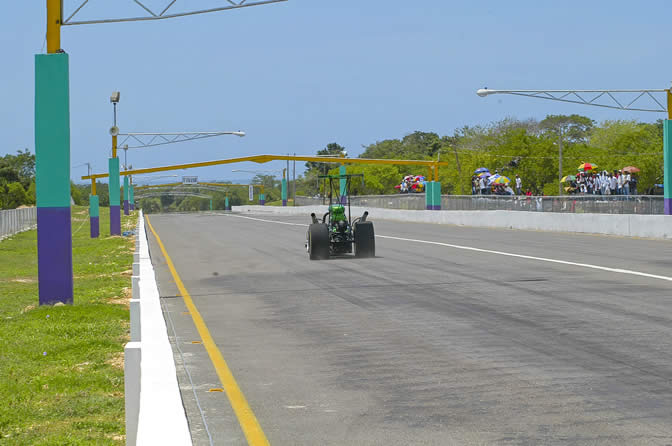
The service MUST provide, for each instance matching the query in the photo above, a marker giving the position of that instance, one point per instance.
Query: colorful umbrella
(481, 170)
(567, 178)
(484, 174)
(584, 167)
(631, 169)
(502, 180)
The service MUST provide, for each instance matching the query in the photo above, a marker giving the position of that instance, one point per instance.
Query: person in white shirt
(482, 186)
(519, 185)
(613, 182)
(626, 183)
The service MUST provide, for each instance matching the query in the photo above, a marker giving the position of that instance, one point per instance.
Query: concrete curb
(154, 410)
(649, 226)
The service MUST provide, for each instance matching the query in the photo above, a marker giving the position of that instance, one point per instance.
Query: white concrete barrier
(160, 417)
(132, 360)
(629, 225)
(135, 320)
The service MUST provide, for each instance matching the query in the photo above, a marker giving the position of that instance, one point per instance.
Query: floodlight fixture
(114, 97)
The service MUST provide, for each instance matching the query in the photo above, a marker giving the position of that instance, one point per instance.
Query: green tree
(572, 128)
(18, 168)
(331, 149)
(15, 196)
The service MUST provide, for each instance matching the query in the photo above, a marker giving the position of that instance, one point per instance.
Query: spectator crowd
(588, 181)
(603, 183)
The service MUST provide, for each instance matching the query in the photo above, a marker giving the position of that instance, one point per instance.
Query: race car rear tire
(318, 241)
(365, 241)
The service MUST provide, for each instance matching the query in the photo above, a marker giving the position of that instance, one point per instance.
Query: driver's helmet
(337, 212)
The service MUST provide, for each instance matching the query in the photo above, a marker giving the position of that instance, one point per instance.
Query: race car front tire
(365, 240)
(318, 241)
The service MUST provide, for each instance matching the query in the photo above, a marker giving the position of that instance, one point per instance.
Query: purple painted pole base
(262, 202)
(54, 262)
(668, 206)
(126, 207)
(95, 226)
(436, 207)
(284, 202)
(132, 206)
(115, 220)
(428, 207)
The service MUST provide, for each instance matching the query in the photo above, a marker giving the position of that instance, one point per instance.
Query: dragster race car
(336, 234)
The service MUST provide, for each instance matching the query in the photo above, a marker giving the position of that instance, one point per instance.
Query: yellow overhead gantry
(432, 166)
(194, 185)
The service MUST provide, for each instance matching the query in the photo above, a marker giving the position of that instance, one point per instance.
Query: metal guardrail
(13, 221)
(588, 204)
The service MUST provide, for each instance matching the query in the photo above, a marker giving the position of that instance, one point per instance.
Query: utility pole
(560, 163)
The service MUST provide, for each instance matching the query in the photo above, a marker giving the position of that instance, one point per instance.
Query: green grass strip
(61, 367)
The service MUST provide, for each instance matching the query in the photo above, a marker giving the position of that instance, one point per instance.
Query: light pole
(113, 170)
(609, 99)
(52, 166)
(127, 183)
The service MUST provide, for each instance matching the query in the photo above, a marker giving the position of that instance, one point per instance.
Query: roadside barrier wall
(13, 221)
(588, 204)
(154, 410)
(629, 225)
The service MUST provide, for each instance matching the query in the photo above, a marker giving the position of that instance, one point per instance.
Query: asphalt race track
(426, 343)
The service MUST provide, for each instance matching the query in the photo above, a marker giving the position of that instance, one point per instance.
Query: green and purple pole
(52, 172)
(94, 215)
(262, 199)
(436, 196)
(115, 211)
(667, 165)
(131, 195)
(284, 189)
(127, 203)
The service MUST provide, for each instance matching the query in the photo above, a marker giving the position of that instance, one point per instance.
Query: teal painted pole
(429, 197)
(262, 199)
(131, 195)
(127, 196)
(52, 171)
(284, 192)
(94, 216)
(436, 196)
(226, 204)
(211, 204)
(342, 182)
(115, 212)
(667, 166)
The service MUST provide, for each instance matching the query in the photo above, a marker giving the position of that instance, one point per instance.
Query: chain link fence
(589, 204)
(13, 221)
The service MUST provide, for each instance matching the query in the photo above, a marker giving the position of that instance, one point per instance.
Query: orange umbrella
(630, 169)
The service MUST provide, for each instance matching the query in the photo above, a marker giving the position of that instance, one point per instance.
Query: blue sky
(300, 74)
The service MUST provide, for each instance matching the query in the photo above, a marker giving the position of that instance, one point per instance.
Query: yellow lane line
(248, 421)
